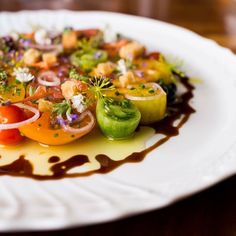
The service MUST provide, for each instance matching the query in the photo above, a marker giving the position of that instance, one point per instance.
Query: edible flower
(22, 74)
(14, 35)
(109, 35)
(72, 117)
(99, 84)
(97, 54)
(60, 120)
(41, 37)
(122, 68)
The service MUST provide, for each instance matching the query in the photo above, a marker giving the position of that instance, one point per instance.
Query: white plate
(203, 153)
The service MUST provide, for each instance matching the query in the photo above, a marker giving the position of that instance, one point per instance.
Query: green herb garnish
(73, 74)
(3, 75)
(151, 91)
(3, 82)
(100, 84)
(61, 109)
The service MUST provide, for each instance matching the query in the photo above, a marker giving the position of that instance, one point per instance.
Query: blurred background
(215, 19)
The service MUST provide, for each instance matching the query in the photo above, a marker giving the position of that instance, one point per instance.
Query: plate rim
(209, 183)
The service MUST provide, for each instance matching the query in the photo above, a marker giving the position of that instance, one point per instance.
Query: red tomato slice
(10, 114)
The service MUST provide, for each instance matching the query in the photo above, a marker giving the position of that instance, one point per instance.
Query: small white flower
(41, 37)
(22, 74)
(78, 103)
(14, 35)
(122, 67)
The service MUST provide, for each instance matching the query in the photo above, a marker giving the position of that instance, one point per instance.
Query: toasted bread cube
(44, 105)
(49, 58)
(69, 40)
(104, 69)
(127, 79)
(131, 50)
(31, 56)
(69, 89)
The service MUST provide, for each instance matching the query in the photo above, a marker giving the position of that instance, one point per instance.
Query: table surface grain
(211, 212)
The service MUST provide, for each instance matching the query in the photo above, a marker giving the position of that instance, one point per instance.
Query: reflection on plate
(201, 155)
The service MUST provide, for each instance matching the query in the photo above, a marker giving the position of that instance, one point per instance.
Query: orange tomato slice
(41, 131)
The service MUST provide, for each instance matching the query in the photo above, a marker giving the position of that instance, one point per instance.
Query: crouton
(69, 89)
(69, 40)
(49, 58)
(31, 56)
(126, 79)
(131, 50)
(104, 69)
(44, 105)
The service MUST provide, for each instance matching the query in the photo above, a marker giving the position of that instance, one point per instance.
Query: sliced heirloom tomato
(41, 130)
(87, 32)
(11, 118)
(155, 70)
(8, 115)
(15, 92)
(117, 119)
(150, 99)
(88, 60)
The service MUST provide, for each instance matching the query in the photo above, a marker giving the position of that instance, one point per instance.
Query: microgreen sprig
(73, 74)
(3, 81)
(100, 84)
(3, 75)
(61, 109)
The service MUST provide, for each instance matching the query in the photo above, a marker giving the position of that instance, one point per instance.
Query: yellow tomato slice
(150, 99)
(41, 131)
(155, 70)
(15, 93)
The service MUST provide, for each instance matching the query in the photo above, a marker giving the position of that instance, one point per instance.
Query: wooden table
(212, 212)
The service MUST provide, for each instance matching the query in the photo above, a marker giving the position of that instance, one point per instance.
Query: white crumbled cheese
(41, 37)
(122, 67)
(22, 74)
(78, 103)
(109, 35)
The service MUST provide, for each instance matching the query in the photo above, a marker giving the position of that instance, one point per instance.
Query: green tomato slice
(117, 119)
(88, 60)
(150, 99)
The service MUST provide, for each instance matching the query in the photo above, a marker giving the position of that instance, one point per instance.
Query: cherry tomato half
(10, 114)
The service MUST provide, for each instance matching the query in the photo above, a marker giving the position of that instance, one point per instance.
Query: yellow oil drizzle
(91, 145)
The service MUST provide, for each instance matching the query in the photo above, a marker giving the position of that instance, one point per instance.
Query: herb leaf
(73, 74)
(62, 108)
(3, 75)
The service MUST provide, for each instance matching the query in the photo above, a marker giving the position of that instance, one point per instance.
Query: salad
(56, 87)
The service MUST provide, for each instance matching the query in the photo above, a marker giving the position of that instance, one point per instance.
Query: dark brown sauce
(53, 159)
(20, 167)
(182, 109)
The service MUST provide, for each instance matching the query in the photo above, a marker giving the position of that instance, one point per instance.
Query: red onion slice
(147, 98)
(84, 129)
(48, 78)
(24, 122)
(56, 48)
